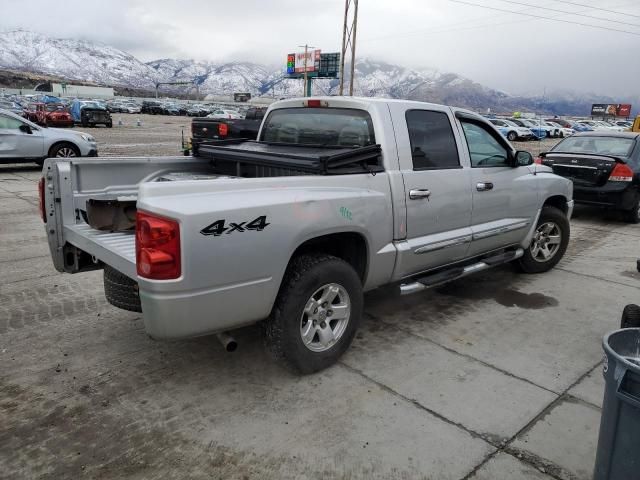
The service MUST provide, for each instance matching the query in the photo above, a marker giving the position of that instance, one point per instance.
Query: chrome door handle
(484, 186)
(419, 194)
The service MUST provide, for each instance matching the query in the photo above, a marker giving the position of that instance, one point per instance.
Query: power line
(455, 27)
(458, 27)
(546, 18)
(571, 13)
(598, 8)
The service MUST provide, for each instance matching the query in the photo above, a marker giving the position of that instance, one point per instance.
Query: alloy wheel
(325, 317)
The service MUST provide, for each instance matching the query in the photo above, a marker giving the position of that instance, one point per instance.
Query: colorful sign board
(611, 109)
(319, 65)
(312, 61)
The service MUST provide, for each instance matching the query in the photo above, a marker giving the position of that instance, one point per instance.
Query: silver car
(24, 141)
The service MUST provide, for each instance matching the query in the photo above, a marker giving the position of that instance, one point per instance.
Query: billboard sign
(313, 61)
(611, 109)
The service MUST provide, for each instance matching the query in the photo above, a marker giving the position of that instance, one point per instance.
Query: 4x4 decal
(218, 227)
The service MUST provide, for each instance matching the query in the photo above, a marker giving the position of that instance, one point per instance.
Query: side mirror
(26, 129)
(523, 158)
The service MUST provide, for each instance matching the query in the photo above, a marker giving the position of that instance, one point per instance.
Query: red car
(49, 115)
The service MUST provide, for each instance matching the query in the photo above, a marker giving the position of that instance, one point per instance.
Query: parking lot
(495, 376)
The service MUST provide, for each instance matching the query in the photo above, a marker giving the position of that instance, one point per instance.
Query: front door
(437, 189)
(15, 143)
(505, 198)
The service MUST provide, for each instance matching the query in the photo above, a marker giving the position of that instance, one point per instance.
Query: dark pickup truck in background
(208, 129)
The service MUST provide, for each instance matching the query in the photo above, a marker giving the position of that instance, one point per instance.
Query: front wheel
(549, 242)
(316, 314)
(512, 136)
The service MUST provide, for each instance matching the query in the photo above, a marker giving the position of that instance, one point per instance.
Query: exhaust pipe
(228, 342)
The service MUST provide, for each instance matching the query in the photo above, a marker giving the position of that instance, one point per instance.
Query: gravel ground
(495, 376)
(156, 135)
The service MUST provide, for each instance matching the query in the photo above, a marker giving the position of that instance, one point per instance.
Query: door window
(484, 148)
(433, 145)
(8, 123)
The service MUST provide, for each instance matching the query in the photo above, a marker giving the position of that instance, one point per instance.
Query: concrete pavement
(496, 376)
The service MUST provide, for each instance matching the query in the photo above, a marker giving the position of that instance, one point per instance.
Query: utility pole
(349, 31)
(306, 92)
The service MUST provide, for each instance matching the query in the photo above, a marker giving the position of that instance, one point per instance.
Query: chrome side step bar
(429, 281)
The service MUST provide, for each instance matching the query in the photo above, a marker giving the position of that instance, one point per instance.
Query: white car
(600, 125)
(562, 131)
(230, 114)
(514, 132)
(552, 130)
(24, 141)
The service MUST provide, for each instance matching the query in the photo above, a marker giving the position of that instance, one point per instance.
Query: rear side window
(433, 145)
(319, 126)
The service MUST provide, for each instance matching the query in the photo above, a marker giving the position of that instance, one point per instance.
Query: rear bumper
(190, 314)
(610, 195)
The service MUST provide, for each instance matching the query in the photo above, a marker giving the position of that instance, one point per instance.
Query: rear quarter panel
(250, 264)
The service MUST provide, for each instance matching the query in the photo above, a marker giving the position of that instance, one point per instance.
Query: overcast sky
(513, 52)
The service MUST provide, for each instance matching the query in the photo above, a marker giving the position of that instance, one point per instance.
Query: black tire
(512, 136)
(561, 134)
(109, 124)
(53, 152)
(630, 316)
(84, 123)
(305, 275)
(120, 290)
(633, 215)
(549, 214)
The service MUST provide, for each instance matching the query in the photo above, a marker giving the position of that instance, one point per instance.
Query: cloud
(508, 51)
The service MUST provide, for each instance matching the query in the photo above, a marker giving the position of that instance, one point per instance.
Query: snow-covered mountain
(78, 60)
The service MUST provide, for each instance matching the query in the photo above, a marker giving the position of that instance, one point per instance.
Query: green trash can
(618, 454)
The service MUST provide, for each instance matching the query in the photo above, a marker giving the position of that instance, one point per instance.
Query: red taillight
(157, 247)
(314, 103)
(223, 129)
(621, 173)
(43, 213)
(538, 160)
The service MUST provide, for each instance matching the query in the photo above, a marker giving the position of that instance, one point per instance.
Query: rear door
(505, 198)
(437, 189)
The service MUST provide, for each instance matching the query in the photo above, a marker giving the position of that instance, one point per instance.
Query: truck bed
(315, 159)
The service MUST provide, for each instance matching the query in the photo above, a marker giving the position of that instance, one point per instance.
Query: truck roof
(361, 102)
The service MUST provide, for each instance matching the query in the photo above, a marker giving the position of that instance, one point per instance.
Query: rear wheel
(316, 314)
(549, 242)
(512, 136)
(633, 215)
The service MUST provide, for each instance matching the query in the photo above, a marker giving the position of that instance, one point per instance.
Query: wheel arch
(60, 143)
(352, 247)
(557, 201)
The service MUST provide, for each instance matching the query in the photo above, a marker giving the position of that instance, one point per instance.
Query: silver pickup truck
(336, 197)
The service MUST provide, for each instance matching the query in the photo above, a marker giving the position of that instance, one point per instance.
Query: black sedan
(604, 168)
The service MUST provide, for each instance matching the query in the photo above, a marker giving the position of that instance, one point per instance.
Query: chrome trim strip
(443, 244)
(573, 166)
(500, 230)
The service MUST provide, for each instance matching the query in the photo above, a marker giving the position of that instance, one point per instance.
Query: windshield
(319, 126)
(616, 146)
(510, 123)
(53, 107)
